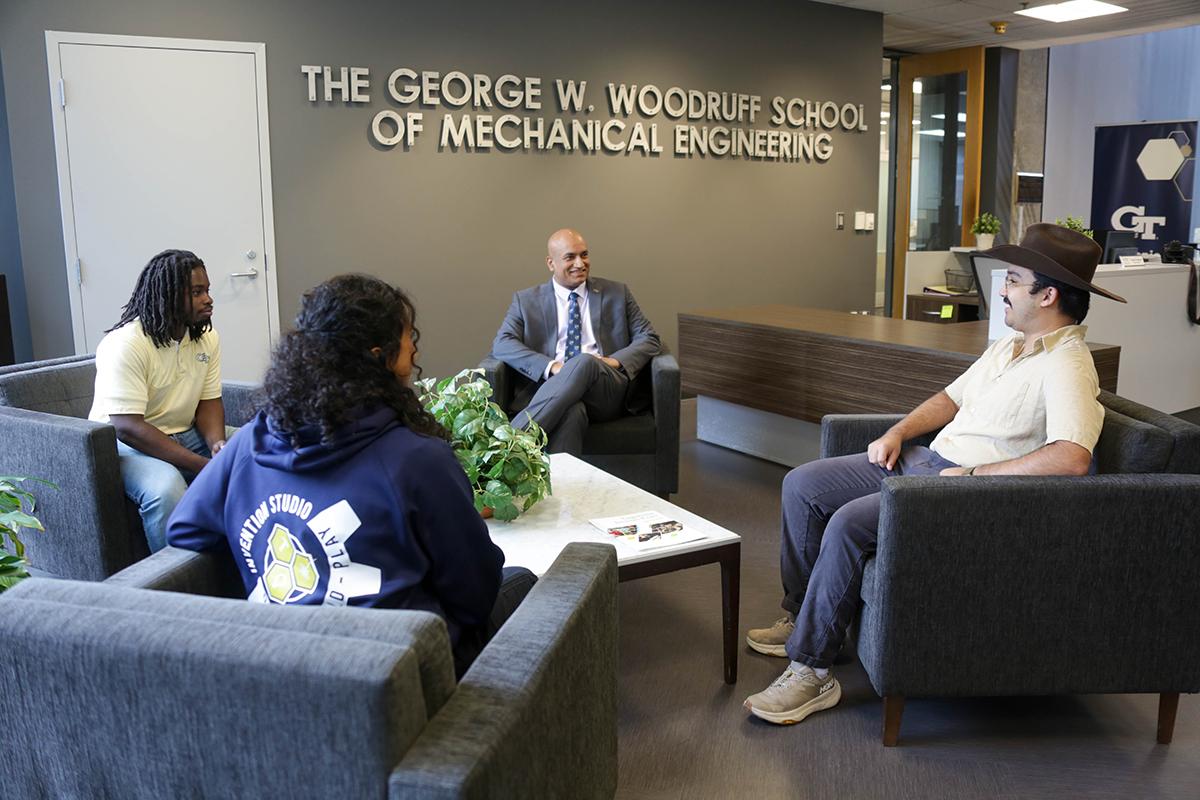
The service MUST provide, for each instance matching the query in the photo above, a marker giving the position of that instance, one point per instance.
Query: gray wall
(1148, 77)
(461, 231)
(10, 246)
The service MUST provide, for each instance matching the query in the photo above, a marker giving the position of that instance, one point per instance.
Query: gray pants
(830, 529)
(584, 390)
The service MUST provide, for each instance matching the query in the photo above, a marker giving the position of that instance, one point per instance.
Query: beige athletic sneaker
(793, 696)
(770, 641)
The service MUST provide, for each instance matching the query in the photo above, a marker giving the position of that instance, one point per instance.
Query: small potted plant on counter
(507, 467)
(1075, 224)
(985, 229)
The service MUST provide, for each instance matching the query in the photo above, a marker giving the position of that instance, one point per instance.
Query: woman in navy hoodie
(343, 489)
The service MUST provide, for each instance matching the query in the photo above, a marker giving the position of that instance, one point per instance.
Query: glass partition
(939, 136)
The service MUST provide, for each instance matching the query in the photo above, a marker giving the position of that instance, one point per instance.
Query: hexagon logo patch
(289, 572)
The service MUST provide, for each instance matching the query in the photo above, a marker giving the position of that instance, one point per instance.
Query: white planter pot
(984, 241)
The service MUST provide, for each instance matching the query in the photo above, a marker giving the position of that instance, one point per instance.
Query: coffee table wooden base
(729, 556)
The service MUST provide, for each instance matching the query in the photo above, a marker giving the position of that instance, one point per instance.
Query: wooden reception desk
(804, 363)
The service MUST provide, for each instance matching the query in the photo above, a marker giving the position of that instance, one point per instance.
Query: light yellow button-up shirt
(163, 384)
(1010, 405)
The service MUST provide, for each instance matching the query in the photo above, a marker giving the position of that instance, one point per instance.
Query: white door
(163, 144)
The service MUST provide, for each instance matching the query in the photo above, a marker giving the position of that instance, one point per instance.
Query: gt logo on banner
(1142, 179)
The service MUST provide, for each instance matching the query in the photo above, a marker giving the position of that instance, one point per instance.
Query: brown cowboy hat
(1056, 252)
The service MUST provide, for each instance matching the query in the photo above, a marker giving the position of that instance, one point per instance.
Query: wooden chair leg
(893, 709)
(1168, 704)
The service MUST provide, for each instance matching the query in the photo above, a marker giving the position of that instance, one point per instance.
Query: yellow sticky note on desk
(948, 311)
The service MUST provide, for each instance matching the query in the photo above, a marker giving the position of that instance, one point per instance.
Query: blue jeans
(830, 528)
(156, 486)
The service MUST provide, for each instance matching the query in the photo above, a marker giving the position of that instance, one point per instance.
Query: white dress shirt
(587, 342)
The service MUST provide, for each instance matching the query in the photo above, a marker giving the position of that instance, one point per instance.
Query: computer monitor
(1119, 240)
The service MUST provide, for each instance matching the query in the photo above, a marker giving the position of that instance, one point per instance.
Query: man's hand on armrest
(133, 430)
(1057, 458)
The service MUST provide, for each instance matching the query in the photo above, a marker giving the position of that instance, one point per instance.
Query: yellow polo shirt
(1010, 405)
(163, 384)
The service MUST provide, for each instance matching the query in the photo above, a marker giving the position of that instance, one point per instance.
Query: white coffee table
(583, 492)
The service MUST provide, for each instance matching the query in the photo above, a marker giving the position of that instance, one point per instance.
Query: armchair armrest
(1036, 585)
(847, 434)
(504, 733)
(173, 569)
(664, 378)
(498, 374)
(239, 399)
(87, 534)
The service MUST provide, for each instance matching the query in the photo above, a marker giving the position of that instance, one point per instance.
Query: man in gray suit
(580, 342)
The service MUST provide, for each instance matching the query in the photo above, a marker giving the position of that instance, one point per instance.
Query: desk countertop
(967, 338)
(808, 362)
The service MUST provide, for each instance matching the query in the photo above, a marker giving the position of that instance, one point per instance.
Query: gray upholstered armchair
(642, 449)
(1034, 585)
(123, 691)
(92, 529)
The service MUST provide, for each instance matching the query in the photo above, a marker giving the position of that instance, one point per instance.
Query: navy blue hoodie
(380, 517)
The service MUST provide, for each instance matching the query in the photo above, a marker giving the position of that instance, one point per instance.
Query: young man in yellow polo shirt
(158, 382)
(1027, 407)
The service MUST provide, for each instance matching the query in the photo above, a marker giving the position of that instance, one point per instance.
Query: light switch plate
(870, 220)
(860, 220)
(839, 220)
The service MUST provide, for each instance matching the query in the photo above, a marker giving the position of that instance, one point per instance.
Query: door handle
(253, 273)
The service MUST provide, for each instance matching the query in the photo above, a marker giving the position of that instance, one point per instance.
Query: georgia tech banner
(1142, 180)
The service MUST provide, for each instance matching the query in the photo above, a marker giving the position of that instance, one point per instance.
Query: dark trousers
(515, 584)
(830, 529)
(585, 389)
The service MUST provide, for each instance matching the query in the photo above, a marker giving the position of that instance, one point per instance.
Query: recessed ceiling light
(887, 87)
(1072, 10)
(916, 87)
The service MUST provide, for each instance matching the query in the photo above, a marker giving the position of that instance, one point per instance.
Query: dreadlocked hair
(323, 371)
(161, 298)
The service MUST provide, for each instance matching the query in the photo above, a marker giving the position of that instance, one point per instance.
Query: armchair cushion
(65, 389)
(422, 632)
(1128, 445)
(126, 703)
(635, 434)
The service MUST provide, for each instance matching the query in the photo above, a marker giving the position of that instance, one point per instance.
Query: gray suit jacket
(527, 337)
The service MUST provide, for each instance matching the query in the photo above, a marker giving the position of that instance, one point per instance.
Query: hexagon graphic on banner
(1160, 159)
(1185, 178)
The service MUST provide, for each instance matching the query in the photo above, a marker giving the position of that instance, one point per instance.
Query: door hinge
(62, 93)
(78, 273)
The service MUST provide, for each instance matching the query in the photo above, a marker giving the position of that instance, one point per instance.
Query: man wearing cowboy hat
(1027, 407)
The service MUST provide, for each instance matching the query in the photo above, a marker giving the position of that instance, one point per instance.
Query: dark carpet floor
(683, 733)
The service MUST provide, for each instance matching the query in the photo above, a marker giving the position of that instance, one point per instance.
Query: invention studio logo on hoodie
(287, 571)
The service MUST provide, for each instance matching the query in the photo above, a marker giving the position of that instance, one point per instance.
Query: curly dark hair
(160, 298)
(324, 369)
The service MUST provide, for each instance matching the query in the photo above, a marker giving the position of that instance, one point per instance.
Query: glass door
(939, 131)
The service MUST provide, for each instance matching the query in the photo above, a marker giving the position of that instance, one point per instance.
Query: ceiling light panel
(1072, 10)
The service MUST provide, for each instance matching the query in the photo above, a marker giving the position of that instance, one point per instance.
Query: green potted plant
(16, 512)
(985, 228)
(1075, 224)
(507, 467)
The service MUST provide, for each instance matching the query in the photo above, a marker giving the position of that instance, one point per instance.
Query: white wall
(1148, 77)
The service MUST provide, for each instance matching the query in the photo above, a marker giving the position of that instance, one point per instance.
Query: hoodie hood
(273, 448)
